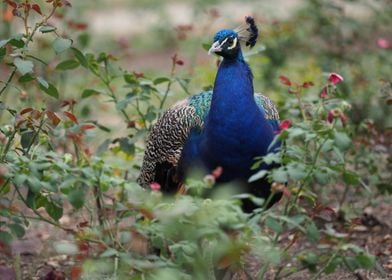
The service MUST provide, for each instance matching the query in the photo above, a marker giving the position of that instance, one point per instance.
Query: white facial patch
(216, 47)
(234, 44)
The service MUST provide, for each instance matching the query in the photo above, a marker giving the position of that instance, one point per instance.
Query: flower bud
(209, 180)
(277, 187)
(217, 172)
(285, 124)
(335, 78)
(155, 186)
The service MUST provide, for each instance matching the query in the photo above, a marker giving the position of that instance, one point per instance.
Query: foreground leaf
(61, 44)
(23, 66)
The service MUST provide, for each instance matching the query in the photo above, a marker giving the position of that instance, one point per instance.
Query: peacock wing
(269, 109)
(168, 136)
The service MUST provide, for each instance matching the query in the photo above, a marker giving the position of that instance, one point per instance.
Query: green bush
(50, 158)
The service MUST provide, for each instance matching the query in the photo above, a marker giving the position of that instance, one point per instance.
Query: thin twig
(42, 218)
(8, 81)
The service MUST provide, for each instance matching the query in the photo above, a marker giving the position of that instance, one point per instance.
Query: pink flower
(155, 186)
(284, 80)
(285, 124)
(217, 172)
(343, 119)
(337, 113)
(383, 43)
(330, 116)
(335, 78)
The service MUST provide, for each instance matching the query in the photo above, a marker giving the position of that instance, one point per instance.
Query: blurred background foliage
(81, 114)
(298, 38)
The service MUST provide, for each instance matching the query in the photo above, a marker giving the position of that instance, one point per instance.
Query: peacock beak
(216, 47)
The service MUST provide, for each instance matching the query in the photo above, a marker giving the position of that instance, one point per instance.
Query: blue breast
(236, 130)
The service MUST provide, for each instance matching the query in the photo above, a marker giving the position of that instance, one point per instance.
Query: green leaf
(67, 64)
(50, 90)
(76, 197)
(3, 52)
(309, 260)
(66, 248)
(295, 132)
(102, 127)
(366, 261)
(342, 141)
(47, 29)
(333, 264)
(3, 43)
(26, 138)
(296, 171)
(5, 237)
(272, 157)
(339, 154)
(17, 42)
(26, 78)
(61, 44)
(109, 253)
(23, 66)
(279, 175)
(206, 46)
(80, 57)
(313, 232)
(127, 146)
(260, 174)
(350, 177)
(327, 146)
(322, 177)
(274, 225)
(130, 79)
(84, 39)
(89, 92)
(184, 84)
(34, 184)
(17, 229)
(161, 80)
(54, 211)
(43, 82)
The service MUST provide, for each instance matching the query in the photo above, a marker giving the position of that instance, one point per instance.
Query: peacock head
(227, 41)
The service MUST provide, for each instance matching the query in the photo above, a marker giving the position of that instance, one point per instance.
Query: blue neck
(233, 91)
(235, 130)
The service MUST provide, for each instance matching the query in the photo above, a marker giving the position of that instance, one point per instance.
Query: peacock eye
(232, 43)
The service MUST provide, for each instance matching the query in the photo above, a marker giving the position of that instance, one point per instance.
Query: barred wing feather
(169, 134)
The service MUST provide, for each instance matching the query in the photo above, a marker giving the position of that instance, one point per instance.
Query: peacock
(226, 127)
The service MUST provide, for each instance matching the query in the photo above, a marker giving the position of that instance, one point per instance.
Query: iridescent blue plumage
(236, 130)
(227, 128)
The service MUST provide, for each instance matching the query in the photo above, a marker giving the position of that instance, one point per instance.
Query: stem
(343, 199)
(169, 84)
(140, 113)
(26, 15)
(309, 172)
(17, 266)
(42, 218)
(98, 205)
(315, 277)
(8, 145)
(288, 209)
(25, 153)
(29, 37)
(298, 95)
(4, 186)
(8, 81)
